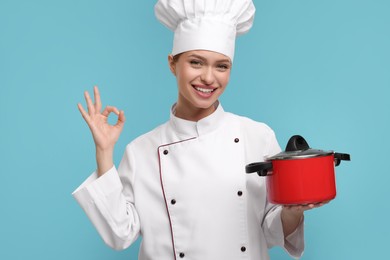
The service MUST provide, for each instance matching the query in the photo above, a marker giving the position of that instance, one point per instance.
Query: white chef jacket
(184, 189)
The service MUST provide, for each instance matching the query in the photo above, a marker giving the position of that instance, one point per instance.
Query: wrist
(292, 214)
(290, 220)
(104, 160)
(104, 150)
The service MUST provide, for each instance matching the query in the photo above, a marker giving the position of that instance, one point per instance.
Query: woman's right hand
(104, 135)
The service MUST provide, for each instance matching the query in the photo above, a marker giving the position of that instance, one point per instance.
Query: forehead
(206, 55)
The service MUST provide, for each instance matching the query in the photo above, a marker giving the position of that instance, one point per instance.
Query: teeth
(204, 90)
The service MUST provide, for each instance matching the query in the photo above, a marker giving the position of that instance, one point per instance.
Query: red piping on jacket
(163, 191)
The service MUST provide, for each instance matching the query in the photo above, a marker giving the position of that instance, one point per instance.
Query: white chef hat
(205, 24)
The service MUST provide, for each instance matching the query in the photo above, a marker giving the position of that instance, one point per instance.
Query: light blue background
(316, 68)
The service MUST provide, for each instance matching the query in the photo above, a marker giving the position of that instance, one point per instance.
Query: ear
(172, 64)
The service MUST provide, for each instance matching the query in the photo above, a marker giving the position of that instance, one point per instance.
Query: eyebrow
(204, 59)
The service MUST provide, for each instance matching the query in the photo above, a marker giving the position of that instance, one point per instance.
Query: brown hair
(176, 57)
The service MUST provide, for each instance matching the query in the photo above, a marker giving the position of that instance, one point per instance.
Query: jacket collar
(206, 125)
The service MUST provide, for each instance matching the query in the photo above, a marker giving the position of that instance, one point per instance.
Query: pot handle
(338, 157)
(262, 168)
(297, 143)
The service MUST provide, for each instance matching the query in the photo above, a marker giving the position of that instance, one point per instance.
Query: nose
(207, 76)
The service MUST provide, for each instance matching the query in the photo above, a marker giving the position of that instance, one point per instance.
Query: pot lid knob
(297, 143)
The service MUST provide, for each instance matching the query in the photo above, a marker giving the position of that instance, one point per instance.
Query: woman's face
(202, 77)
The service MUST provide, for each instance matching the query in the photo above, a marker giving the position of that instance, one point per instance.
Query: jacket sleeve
(108, 202)
(272, 223)
(273, 231)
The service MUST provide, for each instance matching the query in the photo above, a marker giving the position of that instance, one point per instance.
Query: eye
(223, 67)
(196, 63)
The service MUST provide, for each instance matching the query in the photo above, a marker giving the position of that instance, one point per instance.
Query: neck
(193, 114)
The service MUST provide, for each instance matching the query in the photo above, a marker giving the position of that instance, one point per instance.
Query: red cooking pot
(299, 175)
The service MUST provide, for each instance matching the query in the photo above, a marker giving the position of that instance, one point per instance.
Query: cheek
(183, 81)
(224, 79)
(187, 75)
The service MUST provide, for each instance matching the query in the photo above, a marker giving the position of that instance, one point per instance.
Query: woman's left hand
(299, 209)
(292, 215)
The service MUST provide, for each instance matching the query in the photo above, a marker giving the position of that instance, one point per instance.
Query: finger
(98, 102)
(295, 207)
(110, 109)
(83, 113)
(91, 109)
(311, 206)
(121, 119)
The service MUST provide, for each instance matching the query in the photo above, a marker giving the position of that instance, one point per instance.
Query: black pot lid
(298, 148)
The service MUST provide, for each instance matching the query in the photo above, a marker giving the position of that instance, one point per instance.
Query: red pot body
(302, 181)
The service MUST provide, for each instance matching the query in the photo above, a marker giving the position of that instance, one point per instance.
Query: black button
(165, 152)
(173, 201)
(181, 255)
(239, 193)
(236, 140)
(243, 249)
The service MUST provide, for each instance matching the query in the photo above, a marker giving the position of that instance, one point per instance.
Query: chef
(183, 186)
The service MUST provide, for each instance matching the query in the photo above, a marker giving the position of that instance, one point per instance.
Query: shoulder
(251, 126)
(259, 138)
(148, 140)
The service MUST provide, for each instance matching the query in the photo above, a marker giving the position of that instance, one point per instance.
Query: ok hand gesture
(104, 135)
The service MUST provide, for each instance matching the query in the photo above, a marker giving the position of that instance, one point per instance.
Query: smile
(204, 90)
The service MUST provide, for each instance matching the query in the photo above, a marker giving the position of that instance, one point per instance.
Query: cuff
(94, 187)
(294, 243)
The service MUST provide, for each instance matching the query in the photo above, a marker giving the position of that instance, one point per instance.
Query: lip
(203, 86)
(204, 94)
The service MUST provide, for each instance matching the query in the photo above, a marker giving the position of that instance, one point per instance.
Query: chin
(204, 104)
